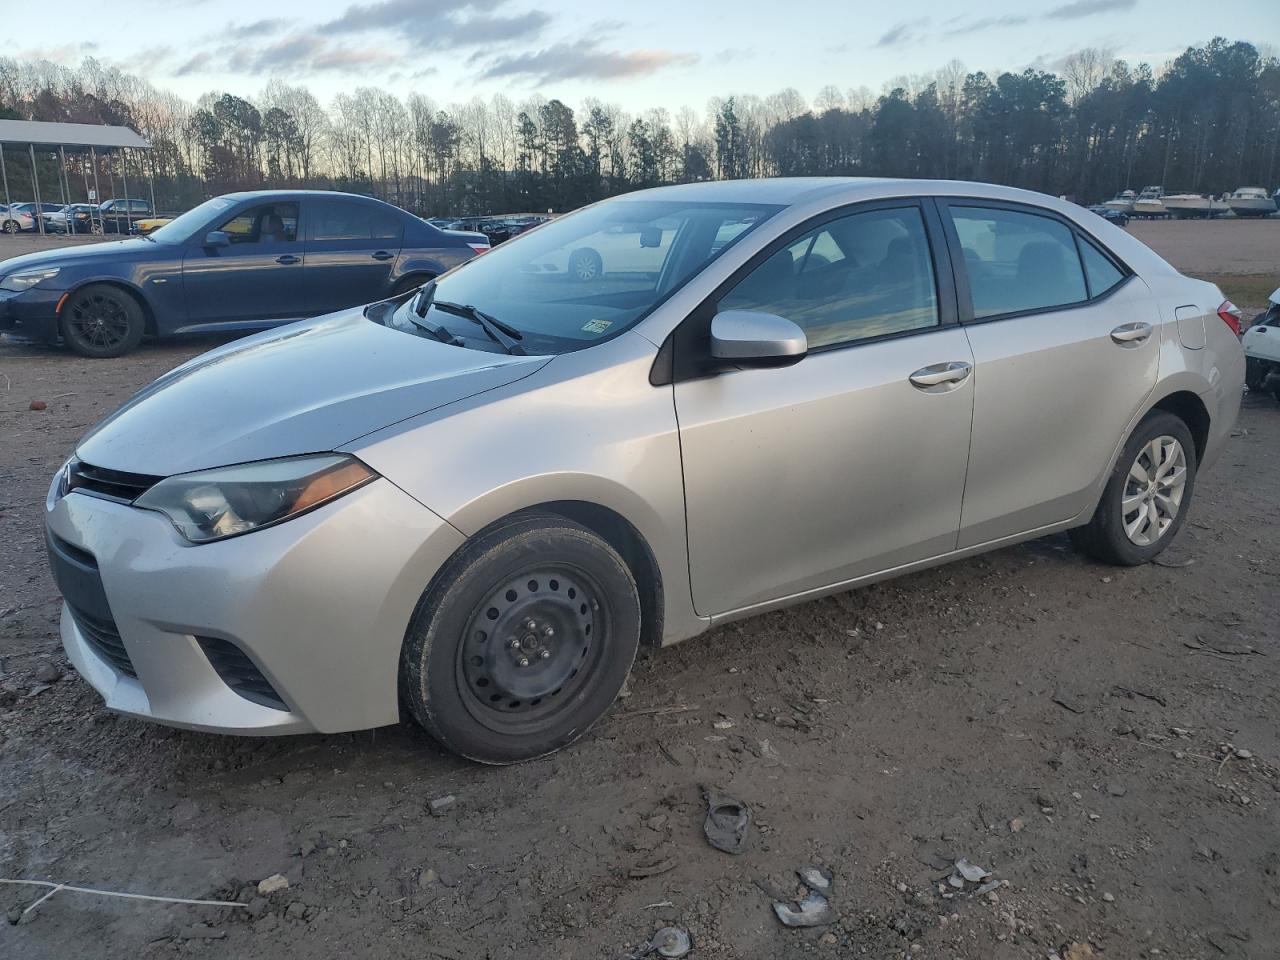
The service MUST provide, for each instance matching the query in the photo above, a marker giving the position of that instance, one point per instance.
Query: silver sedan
(666, 411)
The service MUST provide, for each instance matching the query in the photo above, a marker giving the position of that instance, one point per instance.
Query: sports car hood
(304, 388)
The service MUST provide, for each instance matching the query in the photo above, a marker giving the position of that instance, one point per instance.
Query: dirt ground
(1104, 740)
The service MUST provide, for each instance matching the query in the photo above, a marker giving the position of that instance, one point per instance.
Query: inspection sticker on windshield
(597, 326)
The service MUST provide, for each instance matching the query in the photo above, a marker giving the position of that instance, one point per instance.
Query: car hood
(86, 253)
(304, 388)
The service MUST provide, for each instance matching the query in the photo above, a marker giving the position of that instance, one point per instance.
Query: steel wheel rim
(519, 679)
(99, 320)
(1153, 491)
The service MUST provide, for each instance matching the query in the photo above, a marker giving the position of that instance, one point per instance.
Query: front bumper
(319, 605)
(30, 313)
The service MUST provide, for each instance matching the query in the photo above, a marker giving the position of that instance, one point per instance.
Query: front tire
(522, 641)
(101, 321)
(1147, 497)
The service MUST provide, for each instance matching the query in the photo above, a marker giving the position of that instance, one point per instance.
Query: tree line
(1208, 121)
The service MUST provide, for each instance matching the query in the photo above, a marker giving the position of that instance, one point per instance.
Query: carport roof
(79, 136)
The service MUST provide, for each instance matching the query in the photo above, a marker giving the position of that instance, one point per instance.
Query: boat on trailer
(1199, 206)
(1150, 203)
(1251, 202)
(1122, 202)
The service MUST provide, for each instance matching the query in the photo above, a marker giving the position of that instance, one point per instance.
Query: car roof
(790, 191)
(284, 194)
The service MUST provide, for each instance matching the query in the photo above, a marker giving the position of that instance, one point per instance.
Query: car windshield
(586, 277)
(180, 228)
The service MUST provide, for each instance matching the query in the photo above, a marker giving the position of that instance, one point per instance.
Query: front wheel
(101, 321)
(11, 226)
(1147, 497)
(522, 642)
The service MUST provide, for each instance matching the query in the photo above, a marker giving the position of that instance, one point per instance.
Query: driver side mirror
(217, 238)
(650, 236)
(752, 338)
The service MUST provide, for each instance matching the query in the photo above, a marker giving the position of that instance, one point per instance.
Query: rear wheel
(585, 264)
(101, 321)
(405, 284)
(523, 642)
(1255, 373)
(1147, 497)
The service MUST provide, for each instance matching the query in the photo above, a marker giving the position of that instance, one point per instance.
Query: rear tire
(522, 641)
(101, 321)
(585, 265)
(405, 284)
(1255, 373)
(1147, 497)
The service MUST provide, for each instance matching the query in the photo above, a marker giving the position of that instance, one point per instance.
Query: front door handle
(1128, 333)
(383, 255)
(287, 258)
(941, 375)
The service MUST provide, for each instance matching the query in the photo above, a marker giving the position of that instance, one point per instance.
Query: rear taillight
(1230, 315)
(479, 248)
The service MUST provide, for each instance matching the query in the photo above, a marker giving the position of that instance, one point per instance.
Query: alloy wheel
(1153, 490)
(98, 320)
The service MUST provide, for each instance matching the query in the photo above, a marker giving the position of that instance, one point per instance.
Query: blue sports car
(243, 261)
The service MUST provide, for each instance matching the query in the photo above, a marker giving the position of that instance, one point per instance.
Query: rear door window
(337, 220)
(1017, 262)
(1101, 273)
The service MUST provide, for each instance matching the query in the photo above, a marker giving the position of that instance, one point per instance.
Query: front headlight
(17, 282)
(214, 504)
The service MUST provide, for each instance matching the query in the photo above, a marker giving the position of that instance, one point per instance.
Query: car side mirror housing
(650, 236)
(217, 238)
(755, 339)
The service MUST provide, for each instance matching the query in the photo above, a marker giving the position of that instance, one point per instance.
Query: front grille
(103, 636)
(112, 484)
(239, 672)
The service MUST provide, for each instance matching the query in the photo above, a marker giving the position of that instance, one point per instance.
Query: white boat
(1184, 206)
(1150, 203)
(1122, 202)
(1251, 202)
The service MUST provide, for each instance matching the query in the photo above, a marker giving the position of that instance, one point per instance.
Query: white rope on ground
(56, 887)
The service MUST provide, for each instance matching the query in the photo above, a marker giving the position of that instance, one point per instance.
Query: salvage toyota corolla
(669, 410)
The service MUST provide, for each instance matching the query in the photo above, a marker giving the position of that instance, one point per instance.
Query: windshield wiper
(500, 333)
(422, 299)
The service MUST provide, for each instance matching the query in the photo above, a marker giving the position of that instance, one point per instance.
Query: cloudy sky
(658, 52)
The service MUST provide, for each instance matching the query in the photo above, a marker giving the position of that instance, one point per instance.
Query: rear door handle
(941, 375)
(1131, 333)
(383, 255)
(287, 258)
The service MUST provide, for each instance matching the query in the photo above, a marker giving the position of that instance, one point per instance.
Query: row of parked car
(496, 228)
(111, 216)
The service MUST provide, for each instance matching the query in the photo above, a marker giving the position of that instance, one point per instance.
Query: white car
(1262, 350)
(13, 220)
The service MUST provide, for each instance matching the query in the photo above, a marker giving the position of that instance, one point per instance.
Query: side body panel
(587, 427)
(830, 469)
(1053, 397)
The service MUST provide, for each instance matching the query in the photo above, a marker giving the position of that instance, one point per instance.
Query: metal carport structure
(64, 138)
